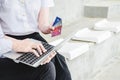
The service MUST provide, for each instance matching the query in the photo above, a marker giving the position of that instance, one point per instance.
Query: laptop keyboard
(31, 59)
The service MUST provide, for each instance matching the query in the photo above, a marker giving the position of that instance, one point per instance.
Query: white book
(72, 50)
(104, 24)
(55, 42)
(91, 35)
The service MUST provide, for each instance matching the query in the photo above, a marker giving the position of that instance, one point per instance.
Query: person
(21, 20)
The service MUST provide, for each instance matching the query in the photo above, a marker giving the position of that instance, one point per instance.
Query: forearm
(26, 45)
(15, 43)
(43, 18)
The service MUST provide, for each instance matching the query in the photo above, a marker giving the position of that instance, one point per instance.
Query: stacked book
(104, 24)
(87, 34)
(71, 50)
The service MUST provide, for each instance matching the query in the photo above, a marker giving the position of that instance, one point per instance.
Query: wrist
(45, 29)
(16, 44)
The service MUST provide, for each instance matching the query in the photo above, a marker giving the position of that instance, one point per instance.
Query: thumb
(52, 28)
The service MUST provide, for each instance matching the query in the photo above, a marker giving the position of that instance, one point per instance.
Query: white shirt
(19, 17)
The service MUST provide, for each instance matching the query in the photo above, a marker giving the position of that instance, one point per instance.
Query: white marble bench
(86, 65)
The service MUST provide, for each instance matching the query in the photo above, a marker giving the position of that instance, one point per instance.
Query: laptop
(31, 59)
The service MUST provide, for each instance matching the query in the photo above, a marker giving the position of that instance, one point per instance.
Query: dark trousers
(55, 70)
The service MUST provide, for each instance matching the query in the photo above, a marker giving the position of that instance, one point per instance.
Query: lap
(9, 70)
(62, 72)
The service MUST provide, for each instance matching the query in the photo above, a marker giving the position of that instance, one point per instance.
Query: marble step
(104, 9)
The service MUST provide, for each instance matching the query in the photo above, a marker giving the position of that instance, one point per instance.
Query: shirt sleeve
(47, 3)
(5, 44)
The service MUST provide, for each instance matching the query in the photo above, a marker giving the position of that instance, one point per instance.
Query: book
(55, 42)
(71, 50)
(104, 24)
(87, 34)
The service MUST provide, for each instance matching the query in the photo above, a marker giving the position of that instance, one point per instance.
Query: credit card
(57, 27)
(57, 20)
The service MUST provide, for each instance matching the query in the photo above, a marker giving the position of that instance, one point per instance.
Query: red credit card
(57, 27)
(57, 31)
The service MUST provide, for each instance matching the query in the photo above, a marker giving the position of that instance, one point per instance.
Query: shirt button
(23, 14)
(26, 25)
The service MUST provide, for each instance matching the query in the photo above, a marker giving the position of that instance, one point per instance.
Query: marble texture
(91, 63)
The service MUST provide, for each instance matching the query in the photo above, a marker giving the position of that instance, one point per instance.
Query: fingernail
(41, 64)
(38, 55)
(45, 50)
(53, 28)
(41, 53)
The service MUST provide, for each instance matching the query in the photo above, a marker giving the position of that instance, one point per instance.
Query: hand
(47, 29)
(27, 45)
(49, 58)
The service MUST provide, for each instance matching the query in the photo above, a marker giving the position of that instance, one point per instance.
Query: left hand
(49, 58)
(47, 29)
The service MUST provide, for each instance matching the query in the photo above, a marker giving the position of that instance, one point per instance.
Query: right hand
(27, 45)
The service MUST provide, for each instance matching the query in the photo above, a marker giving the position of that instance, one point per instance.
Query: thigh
(9, 70)
(62, 71)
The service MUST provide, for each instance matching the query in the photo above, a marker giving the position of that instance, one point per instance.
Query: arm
(43, 17)
(26, 45)
(8, 44)
(43, 21)
(5, 44)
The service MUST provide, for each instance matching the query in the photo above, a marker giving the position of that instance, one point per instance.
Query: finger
(52, 55)
(52, 28)
(42, 48)
(34, 46)
(39, 50)
(54, 52)
(49, 58)
(46, 61)
(34, 52)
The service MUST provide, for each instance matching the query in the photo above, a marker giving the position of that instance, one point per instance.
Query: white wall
(68, 10)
